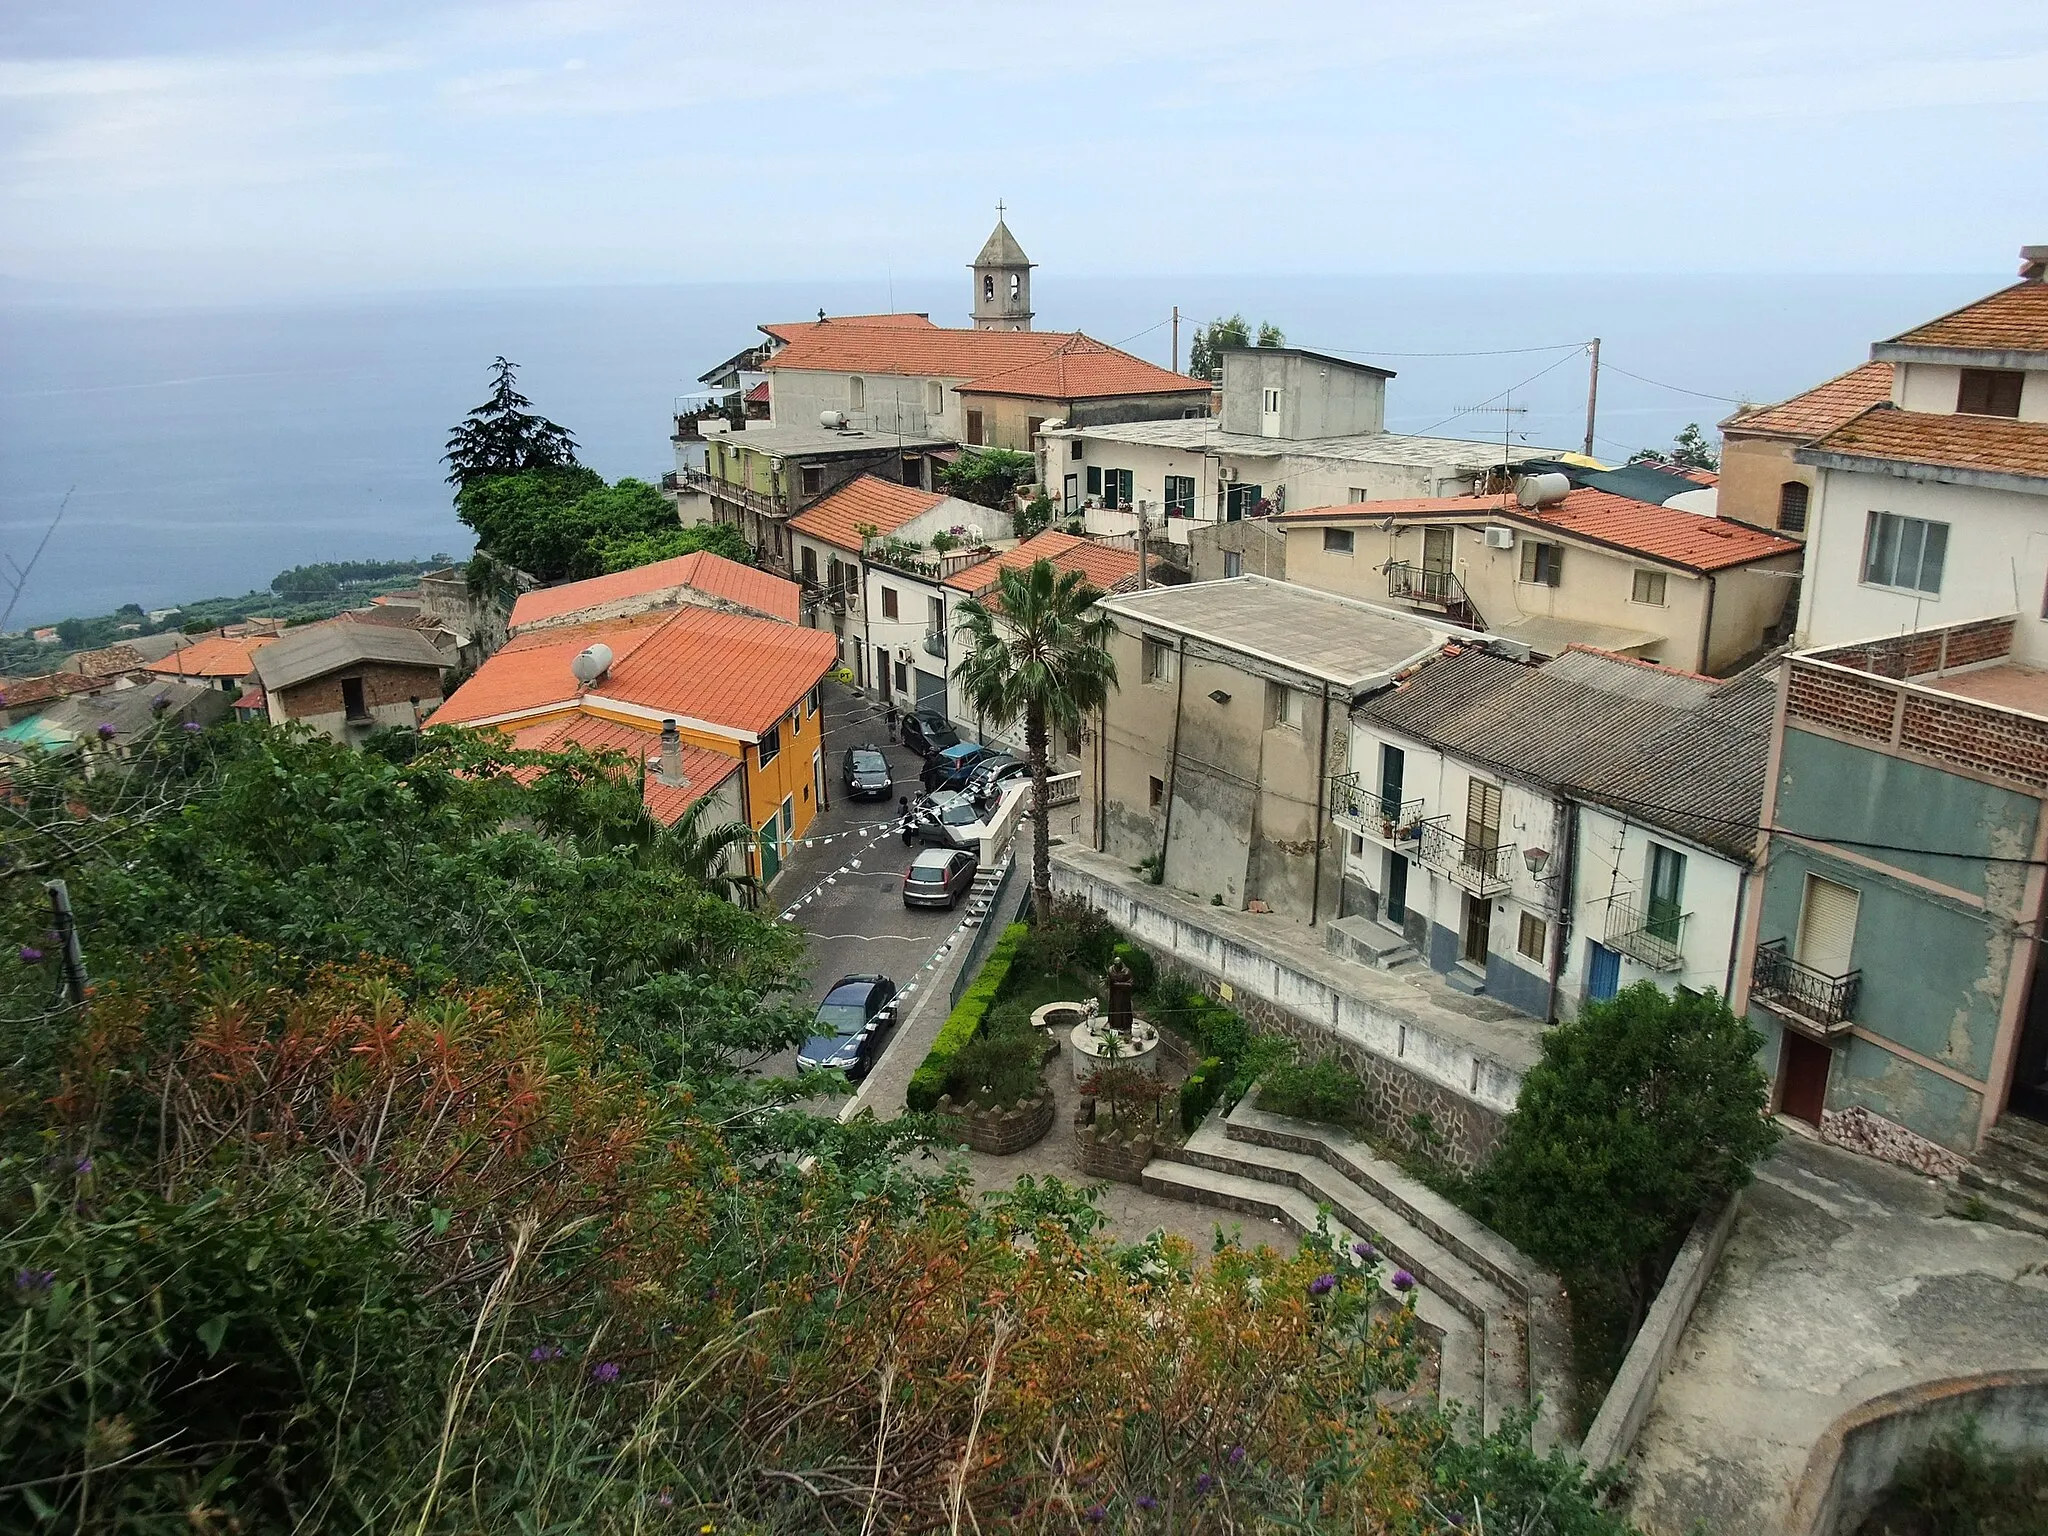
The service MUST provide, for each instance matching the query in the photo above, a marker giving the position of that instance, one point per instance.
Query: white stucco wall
(1614, 862)
(798, 395)
(1933, 388)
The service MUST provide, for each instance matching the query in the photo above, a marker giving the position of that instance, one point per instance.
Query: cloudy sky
(248, 146)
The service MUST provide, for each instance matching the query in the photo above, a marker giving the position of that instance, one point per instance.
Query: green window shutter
(1094, 480)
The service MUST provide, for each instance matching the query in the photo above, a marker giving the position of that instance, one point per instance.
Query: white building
(1547, 834)
(1931, 509)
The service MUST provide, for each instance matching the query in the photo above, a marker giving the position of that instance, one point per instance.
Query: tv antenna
(1507, 411)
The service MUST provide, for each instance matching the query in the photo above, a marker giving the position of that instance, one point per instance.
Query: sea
(159, 453)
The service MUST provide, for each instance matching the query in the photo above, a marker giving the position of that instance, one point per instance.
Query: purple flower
(193, 726)
(1145, 1501)
(1403, 1281)
(545, 1354)
(1322, 1285)
(1097, 1514)
(605, 1372)
(83, 1165)
(665, 1499)
(1365, 1251)
(1237, 1456)
(1204, 1485)
(34, 1279)
(107, 731)
(30, 955)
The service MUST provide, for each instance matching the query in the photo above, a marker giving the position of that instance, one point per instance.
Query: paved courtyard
(1842, 1279)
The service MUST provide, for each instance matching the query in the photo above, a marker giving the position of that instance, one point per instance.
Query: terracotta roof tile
(1101, 565)
(1690, 540)
(729, 669)
(1084, 369)
(984, 357)
(108, 662)
(705, 769)
(1819, 410)
(2014, 319)
(21, 692)
(713, 575)
(1995, 443)
(789, 330)
(213, 656)
(884, 504)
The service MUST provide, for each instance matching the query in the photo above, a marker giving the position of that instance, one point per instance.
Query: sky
(230, 149)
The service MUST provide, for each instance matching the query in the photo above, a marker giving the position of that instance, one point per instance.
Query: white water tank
(591, 663)
(831, 421)
(1542, 490)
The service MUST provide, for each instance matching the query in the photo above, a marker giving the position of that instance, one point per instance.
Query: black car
(948, 819)
(939, 877)
(951, 768)
(846, 1035)
(866, 773)
(926, 731)
(992, 773)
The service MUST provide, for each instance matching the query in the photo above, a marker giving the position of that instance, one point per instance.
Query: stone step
(1366, 942)
(2023, 1171)
(1498, 1316)
(1461, 1350)
(2028, 1138)
(2000, 1211)
(1458, 979)
(2028, 1194)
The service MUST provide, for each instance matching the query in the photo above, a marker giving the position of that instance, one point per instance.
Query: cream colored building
(1762, 483)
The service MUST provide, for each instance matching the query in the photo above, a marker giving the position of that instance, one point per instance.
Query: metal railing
(1656, 937)
(1481, 868)
(1432, 588)
(726, 491)
(1374, 814)
(1818, 999)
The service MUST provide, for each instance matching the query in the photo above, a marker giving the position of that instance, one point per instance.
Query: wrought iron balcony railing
(1824, 1003)
(1655, 936)
(1481, 868)
(1372, 812)
(1428, 587)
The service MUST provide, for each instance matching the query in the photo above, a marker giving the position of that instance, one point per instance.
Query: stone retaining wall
(999, 1131)
(1103, 1156)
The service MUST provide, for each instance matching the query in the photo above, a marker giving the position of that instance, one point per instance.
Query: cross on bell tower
(1002, 282)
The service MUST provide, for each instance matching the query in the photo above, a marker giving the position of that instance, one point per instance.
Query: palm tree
(714, 856)
(1039, 649)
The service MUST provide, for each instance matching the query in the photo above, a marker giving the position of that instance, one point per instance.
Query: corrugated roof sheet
(1819, 410)
(714, 575)
(1999, 444)
(881, 504)
(2014, 319)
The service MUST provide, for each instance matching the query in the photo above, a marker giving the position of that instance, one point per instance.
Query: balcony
(1383, 820)
(1655, 937)
(1426, 587)
(935, 643)
(1480, 869)
(726, 491)
(1812, 1001)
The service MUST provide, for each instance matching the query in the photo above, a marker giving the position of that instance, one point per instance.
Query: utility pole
(1144, 546)
(1176, 338)
(1592, 394)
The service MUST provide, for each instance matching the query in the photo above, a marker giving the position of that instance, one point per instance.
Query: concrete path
(1843, 1279)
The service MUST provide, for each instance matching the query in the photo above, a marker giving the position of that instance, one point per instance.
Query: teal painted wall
(1896, 1088)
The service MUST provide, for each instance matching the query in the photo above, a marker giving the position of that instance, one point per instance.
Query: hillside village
(1401, 754)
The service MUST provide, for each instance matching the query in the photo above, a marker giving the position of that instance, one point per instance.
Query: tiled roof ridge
(1757, 418)
(1637, 661)
(1906, 337)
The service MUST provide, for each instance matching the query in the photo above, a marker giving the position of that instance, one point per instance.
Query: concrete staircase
(981, 895)
(1367, 942)
(1505, 1335)
(2009, 1177)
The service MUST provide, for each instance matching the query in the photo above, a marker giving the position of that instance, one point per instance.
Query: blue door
(1603, 972)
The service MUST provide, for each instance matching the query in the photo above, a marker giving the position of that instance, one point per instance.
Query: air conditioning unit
(1498, 537)
(903, 655)
(1226, 474)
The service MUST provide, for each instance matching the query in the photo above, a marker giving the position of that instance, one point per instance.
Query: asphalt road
(852, 874)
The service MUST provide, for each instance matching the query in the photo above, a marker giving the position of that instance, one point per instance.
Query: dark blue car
(846, 1034)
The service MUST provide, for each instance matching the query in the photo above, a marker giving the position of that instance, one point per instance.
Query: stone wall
(383, 683)
(999, 1131)
(1104, 1156)
(1860, 1130)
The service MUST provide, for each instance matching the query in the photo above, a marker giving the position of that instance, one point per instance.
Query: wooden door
(1478, 930)
(1803, 1077)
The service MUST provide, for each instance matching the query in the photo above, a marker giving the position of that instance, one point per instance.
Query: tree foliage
(560, 524)
(1211, 341)
(1689, 450)
(505, 436)
(1642, 1112)
(988, 477)
(625, 551)
(328, 578)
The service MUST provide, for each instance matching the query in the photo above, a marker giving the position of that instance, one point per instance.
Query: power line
(1468, 410)
(1147, 331)
(1699, 394)
(1562, 346)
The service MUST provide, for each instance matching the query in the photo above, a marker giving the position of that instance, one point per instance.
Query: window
(1180, 495)
(1094, 478)
(856, 392)
(813, 479)
(988, 287)
(1649, 588)
(889, 603)
(352, 703)
(902, 677)
(1531, 940)
(1338, 541)
(1031, 427)
(1077, 451)
(1792, 497)
(974, 428)
(1240, 501)
(1284, 706)
(1990, 392)
(810, 565)
(935, 397)
(1482, 815)
(1393, 773)
(1542, 564)
(1156, 791)
(1667, 892)
(1161, 663)
(1827, 926)
(811, 703)
(770, 745)
(1272, 402)
(935, 616)
(1116, 486)
(1233, 565)
(1357, 846)
(1359, 493)
(1904, 552)
(1016, 287)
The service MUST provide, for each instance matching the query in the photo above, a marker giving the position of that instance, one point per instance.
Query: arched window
(1792, 506)
(935, 397)
(856, 392)
(988, 286)
(1016, 287)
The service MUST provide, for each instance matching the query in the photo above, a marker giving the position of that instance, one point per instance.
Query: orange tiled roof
(2014, 319)
(213, 656)
(705, 769)
(729, 669)
(1999, 444)
(1685, 539)
(978, 356)
(19, 692)
(884, 504)
(1084, 369)
(1821, 409)
(1101, 565)
(789, 330)
(713, 575)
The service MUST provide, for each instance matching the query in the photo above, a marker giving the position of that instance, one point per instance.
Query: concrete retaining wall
(1850, 1467)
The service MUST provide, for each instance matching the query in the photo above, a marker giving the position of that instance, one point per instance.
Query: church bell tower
(1002, 282)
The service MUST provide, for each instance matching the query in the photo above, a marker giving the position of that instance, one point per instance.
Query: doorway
(882, 670)
(1603, 971)
(1071, 493)
(1394, 891)
(1478, 931)
(1436, 564)
(2029, 1093)
(1803, 1077)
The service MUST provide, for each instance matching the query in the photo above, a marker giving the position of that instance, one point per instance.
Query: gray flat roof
(1205, 434)
(1338, 639)
(799, 438)
(318, 649)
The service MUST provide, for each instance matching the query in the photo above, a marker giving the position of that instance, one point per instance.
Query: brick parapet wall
(1105, 1156)
(1926, 650)
(999, 1131)
(383, 683)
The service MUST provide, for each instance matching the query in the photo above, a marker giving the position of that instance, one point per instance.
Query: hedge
(1199, 1093)
(928, 1082)
(1144, 973)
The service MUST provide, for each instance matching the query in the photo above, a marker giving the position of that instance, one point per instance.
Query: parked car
(926, 731)
(939, 877)
(950, 769)
(866, 773)
(948, 819)
(846, 1033)
(992, 773)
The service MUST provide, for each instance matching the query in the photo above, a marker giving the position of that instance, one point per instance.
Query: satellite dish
(591, 663)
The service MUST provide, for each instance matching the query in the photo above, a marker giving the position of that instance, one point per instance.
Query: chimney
(670, 769)
(2034, 263)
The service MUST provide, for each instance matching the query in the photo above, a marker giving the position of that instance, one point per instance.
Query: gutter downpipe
(1315, 887)
(1567, 878)
(1180, 689)
(1707, 630)
(1735, 938)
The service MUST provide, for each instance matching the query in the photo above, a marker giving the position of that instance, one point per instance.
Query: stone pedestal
(1088, 1054)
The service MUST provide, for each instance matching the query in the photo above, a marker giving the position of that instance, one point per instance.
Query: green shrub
(928, 1082)
(1317, 1090)
(1144, 973)
(1071, 936)
(1199, 1093)
(995, 1070)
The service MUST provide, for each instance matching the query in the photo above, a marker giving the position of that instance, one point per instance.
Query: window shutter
(1556, 576)
(1827, 926)
(1094, 480)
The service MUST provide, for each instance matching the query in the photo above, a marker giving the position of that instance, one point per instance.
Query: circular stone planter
(1087, 1053)
(1000, 1131)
